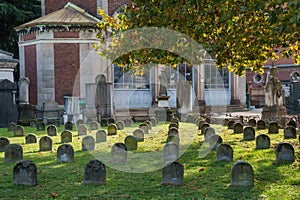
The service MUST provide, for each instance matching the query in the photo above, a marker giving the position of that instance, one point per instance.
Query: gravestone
(214, 141)
(153, 121)
(261, 124)
(242, 174)
(284, 152)
(104, 122)
(252, 122)
(173, 138)
(230, 124)
(249, 133)
(120, 125)
(131, 142)
(88, 143)
(144, 127)
(25, 173)
(128, 122)
(112, 129)
(224, 153)
(66, 136)
(171, 152)
(263, 141)
(241, 117)
(12, 126)
(172, 174)
(139, 134)
(79, 121)
(225, 122)
(51, 112)
(173, 131)
(148, 122)
(119, 152)
(94, 125)
(95, 173)
(273, 128)
(111, 121)
(52, 130)
(199, 123)
(46, 143)
(101, 136)
(203, 127)
(65, 153)
(4, 142)
(19, 131)
(31, 138)
(208, 132)
(13, 153)
(173, 125)
(289, 132)
(40, 126)
(238, 128)
(69, 126)
(292, 123)
(82, 129)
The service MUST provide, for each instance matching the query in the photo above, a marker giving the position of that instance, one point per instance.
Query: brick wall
(29, 37)
(31, 72)
(113, 5)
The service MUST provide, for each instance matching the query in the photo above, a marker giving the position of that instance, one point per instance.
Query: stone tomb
(101, 136)
(214, 141)
(112, 129)
(252, 122)
(131, 143)
(144, 127)
(52, 130)
(82, 129)
(119, 152)
(65, 153)
(249, 133)
(95, 173)
(284, 152)
(40, 126)
(261, 124)
(25, 173)
(172, 174)
(242, 174)
(139, 134)
(46, 143)
(4, 142)
(94, 125)
(224, 153)
(171, 152)
(31, 138)
(263, 141)
(289, 132)
(13, 153)
(120, 125)
(69, 126)
(273, 128)
(66, 136)
(238, 127)
(19, 132)
(88, 143)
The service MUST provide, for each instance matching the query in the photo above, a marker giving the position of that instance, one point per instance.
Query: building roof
(70, 15)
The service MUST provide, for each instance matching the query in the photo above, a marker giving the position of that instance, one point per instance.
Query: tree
(238, 33)
(14, 13)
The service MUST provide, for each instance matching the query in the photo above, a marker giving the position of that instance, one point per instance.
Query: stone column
(235, 90)
(23, 90)
(90, 111)
(199, 84)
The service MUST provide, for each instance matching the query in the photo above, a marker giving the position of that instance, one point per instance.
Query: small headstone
(261, 124)
(52, 130)
(173, 125)
(242, 174)
(149, 124)
(40, 126)
(174, 120)
(128, 122)
(173, 138)
(94, 125)
(292, 122)
(80, 121)
(104, 122)
(46, 143)
(31, 138)
(252, 122)
(172, 174)
(230, 124)
(119, 152)
(225, 122)
(273, 128)
(263, 141)
(120, 125)
(199, 123)
(13, 153)
(65, 153)
(111, 121)
(214, 141)
(95, 173)
(66, 136)
(25, 173)
(82, 129)
(284, 152)
(88, 143)
(203, 127)
(144, 127)
(19, 131)
(173, 131)
(153, 121)
(131, 142)
(249, 133)
(69, 126)
(171, 152)
(139, 134)
(112, 129)
(238, 128)
(224, 153)
(101, 136)
(4, 142)
(12, 126)
(208, 132)
(289, 132)
(32, 124)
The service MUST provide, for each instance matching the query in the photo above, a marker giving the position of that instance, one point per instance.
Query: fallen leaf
(54, 195)
(201, 169)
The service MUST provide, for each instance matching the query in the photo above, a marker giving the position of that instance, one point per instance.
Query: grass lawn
(203, 177)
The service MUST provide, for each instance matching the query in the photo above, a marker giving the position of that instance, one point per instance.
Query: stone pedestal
(23, 90)
(163, 101)
(273, 113)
